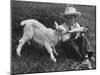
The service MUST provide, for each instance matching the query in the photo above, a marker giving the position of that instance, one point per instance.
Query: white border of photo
(5, 37)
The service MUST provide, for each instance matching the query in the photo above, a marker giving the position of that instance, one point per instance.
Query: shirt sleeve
(78, 34)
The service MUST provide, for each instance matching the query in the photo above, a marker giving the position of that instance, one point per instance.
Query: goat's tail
(23, 22)
(27, 21)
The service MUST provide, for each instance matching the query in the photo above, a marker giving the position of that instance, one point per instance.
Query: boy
(77, 40)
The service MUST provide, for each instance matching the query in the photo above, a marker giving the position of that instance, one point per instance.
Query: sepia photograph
(52, 37)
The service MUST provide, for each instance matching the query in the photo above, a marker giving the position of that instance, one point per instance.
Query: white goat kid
(44, 36)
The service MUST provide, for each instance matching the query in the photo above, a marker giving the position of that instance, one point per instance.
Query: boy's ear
(56, 24)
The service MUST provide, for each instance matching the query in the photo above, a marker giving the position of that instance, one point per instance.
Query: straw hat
(71, 11)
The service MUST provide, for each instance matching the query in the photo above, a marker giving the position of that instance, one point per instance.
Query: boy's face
(71, 19)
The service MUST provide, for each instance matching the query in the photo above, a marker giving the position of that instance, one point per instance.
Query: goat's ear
(56, 24)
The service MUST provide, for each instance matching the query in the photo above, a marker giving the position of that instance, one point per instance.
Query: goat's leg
(26, 37)
(50, 51)
(54, 50)
(21, 43)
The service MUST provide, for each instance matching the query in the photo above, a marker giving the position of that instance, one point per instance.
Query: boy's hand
(80, 29)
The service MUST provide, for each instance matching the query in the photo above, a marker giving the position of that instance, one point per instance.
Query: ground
(37, 60)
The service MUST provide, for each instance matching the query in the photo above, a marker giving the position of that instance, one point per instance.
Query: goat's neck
(57, 35)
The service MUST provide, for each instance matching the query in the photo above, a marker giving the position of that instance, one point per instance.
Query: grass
(37, 60)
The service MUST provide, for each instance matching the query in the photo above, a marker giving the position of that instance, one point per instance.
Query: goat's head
(60, 28)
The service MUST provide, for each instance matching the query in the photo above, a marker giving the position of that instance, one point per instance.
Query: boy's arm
(78, 34)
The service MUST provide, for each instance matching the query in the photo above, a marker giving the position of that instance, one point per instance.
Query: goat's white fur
(44, 36)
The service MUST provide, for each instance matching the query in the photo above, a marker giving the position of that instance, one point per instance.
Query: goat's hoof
(54, 60)
(18, 53)
(56, 54)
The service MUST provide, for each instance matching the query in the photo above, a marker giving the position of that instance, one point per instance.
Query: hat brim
(76, 14)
